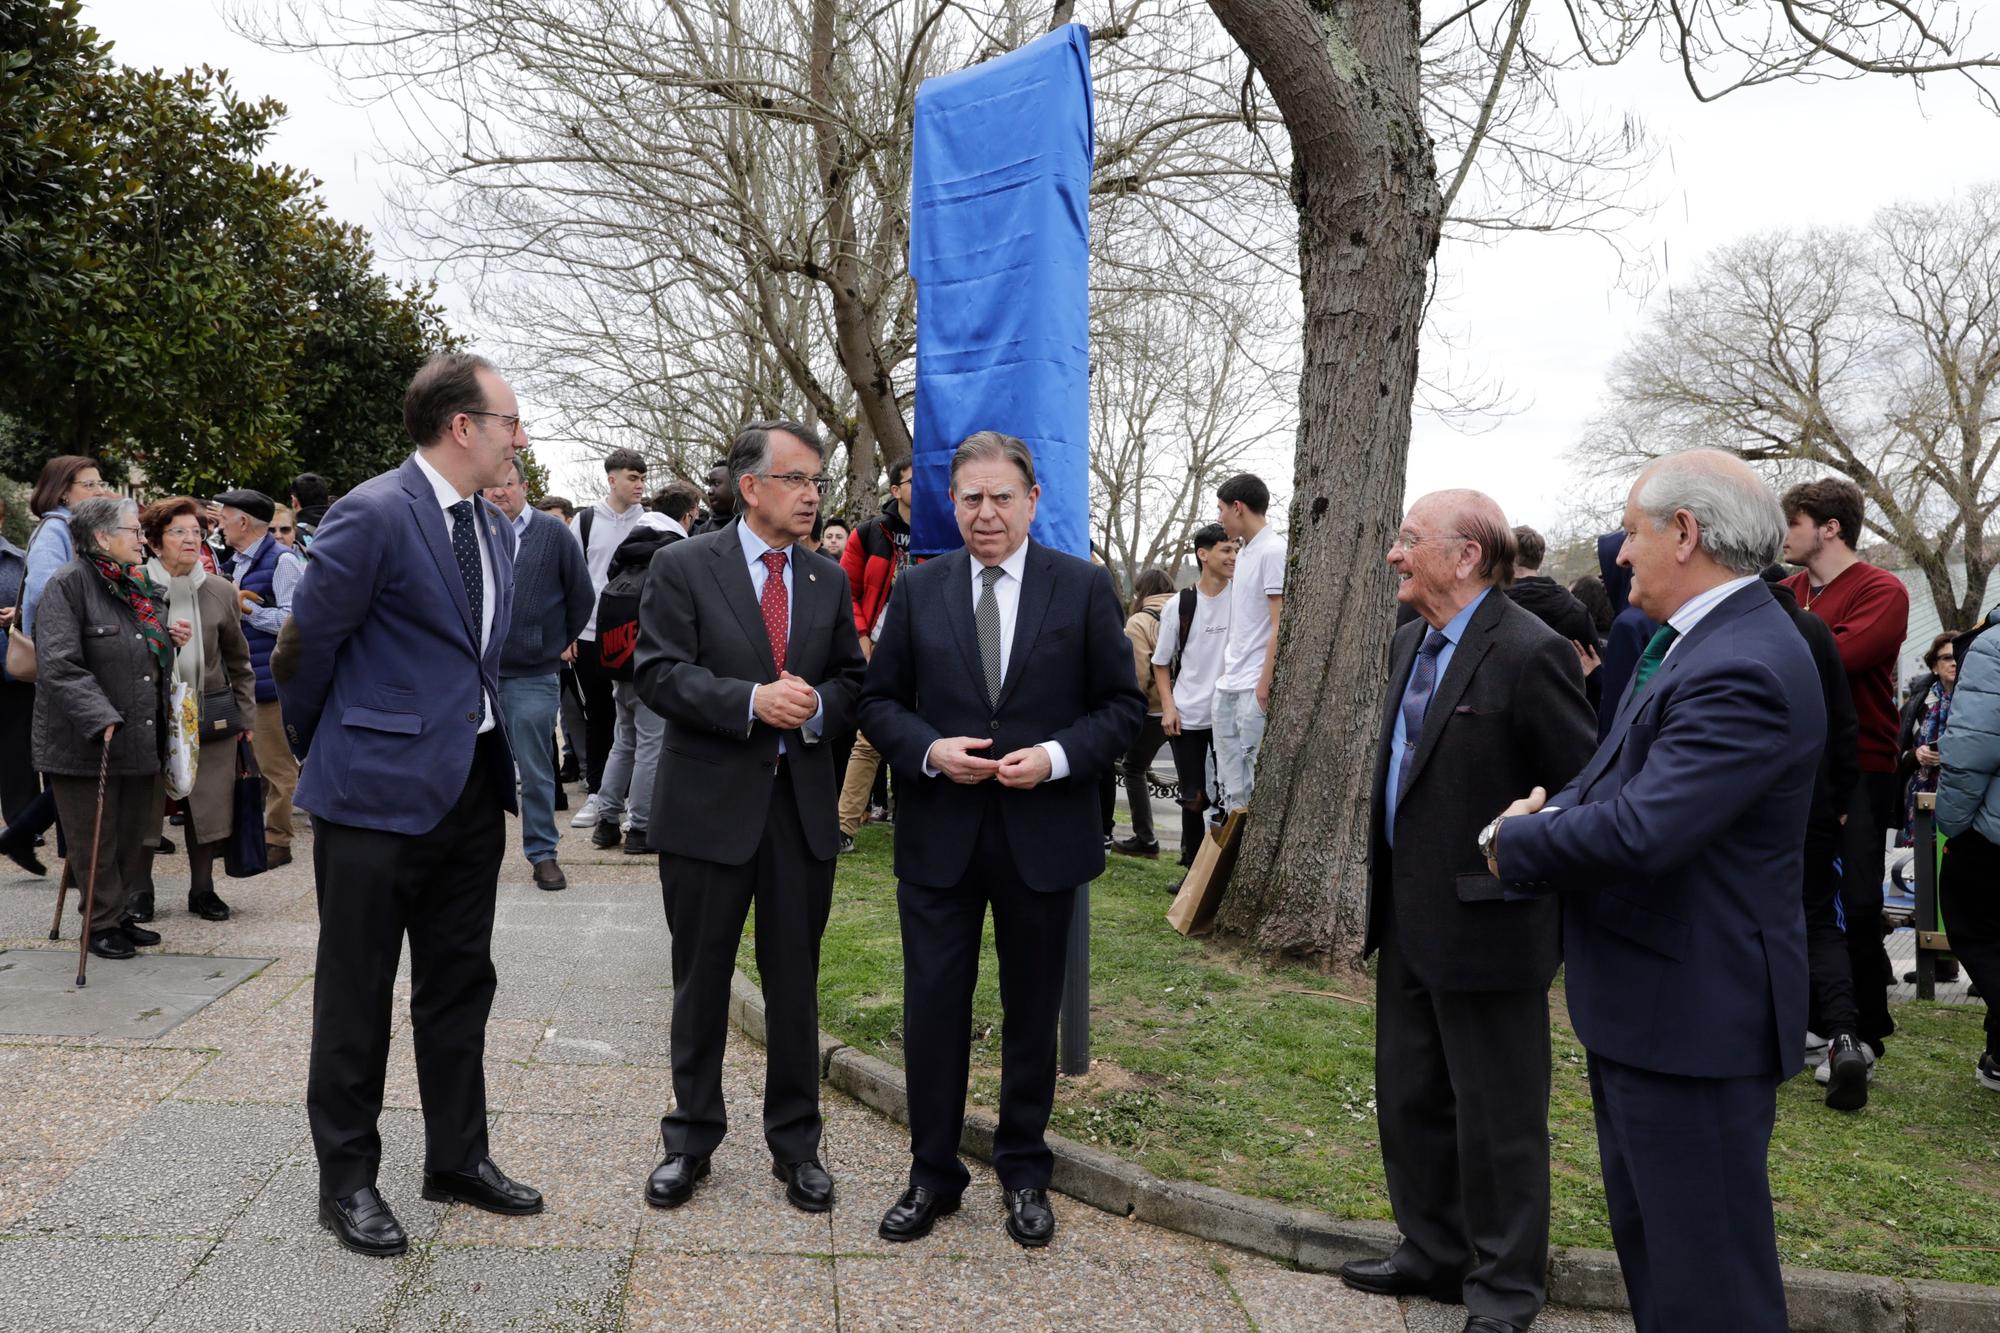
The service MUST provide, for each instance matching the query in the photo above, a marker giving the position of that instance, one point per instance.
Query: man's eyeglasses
(1410, 541)
(509, 421)
(798, 479)
(284, 529)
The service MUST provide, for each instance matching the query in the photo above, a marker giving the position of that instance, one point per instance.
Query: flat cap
(254, 503)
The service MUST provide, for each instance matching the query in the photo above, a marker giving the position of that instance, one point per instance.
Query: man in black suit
(747, 650)
(1002, 691)
(1483, 696)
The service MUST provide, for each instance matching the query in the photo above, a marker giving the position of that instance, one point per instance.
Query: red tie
(777, 622)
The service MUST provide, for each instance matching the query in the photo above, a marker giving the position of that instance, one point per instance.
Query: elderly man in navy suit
(1001, 690)
(395, 706)
(1679, 850)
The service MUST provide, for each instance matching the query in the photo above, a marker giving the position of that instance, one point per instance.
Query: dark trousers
(600, 714)
(569, 710)
(131, 816)
(19, 783)
(941, 935)
(1970, 897)
(1689, 1194)
(1192, 749)
(706, 904)
(1832, 1010)
(1874, 808)
(1462, 1087)
(1134, 765)
(372, 887)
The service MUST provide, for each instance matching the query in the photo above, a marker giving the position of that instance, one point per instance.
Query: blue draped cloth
(1000, 250)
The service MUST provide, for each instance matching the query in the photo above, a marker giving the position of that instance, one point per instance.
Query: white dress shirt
(1696, 608)
(1007, 595)
(754, 548)
(447, 496)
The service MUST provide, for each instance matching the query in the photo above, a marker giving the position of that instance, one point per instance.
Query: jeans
(634, 760)
(1239, 730)
(1192, 749)
(1134, 765)
(528, 703)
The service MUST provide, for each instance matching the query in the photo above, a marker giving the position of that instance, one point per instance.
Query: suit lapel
(732, 575)
(1465, 658)
(1402, 655)
(806, 604)
(1037, 589)
(958, 611)
(435, 526)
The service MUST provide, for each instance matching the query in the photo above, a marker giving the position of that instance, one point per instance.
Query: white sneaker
(1815, 1047)
(587, 816)
(1825, 1070)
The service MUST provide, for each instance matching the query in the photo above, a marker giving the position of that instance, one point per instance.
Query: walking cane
(90, 888)
(62, 893)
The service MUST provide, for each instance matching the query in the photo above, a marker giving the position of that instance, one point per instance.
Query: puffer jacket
(1968, 791)
(94, 670)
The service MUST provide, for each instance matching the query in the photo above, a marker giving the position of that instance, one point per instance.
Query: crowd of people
(728, 672)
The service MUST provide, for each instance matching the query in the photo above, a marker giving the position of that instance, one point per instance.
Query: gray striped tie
(986, 617)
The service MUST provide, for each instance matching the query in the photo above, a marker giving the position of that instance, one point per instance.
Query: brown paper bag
(1193, 912)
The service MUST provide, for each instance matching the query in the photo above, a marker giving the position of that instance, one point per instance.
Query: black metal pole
(1924, 842)
(1075, 1044)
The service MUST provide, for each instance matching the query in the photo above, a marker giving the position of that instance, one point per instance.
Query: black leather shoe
(208, 906)
(1030, 1220)
(484, 1186)
(1136, 847)
(912, 1216)
(140, 909)
(549, 876)
(275, 856)
(1847, 1074)
(22, 855)
(606, 835)
(111, 944)
(138, 934)
(672, 1181)
(364, 1224)
(636, 844)
(1381, 1277)
(807, 1185)
(1486, 1323)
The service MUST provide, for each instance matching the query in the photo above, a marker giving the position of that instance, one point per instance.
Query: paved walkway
(169, 1184)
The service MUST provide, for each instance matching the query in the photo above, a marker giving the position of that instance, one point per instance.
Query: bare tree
(1371, 204)
(1871, 353)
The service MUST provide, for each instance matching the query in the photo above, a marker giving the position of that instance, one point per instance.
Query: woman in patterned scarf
(104, 659)
(1923, 722)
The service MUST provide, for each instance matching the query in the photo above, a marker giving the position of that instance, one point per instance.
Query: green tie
(1656, 653)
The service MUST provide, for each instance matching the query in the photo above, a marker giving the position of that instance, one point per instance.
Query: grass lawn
(1212, 1068)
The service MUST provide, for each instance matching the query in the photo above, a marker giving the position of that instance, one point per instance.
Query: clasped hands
(1025, 768)
(786, 703)
(1527, 805)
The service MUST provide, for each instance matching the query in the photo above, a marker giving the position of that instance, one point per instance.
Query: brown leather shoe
(275, 856)
(549, 876)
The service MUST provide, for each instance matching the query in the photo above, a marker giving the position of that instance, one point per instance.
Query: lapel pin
(812, 578)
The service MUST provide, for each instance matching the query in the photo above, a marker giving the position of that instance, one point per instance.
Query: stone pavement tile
(1425, 1316)
(246, 1006)
(265, 1063)
(54, 1284)
(24, 1180)
(123, 1073)
(591, 1171)
(285, 1288)
(572, 1089)
(1032, 1291)
(1283, 1301)
(978, 1230)
(725, 1292)
(287, 1207)
(183, 1169)
(739, 1208)
(541, 1290)
(534, 1000)
(46, 1123)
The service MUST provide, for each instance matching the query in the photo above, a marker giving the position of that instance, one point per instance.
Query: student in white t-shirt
(1256, 595)
(1187, 662)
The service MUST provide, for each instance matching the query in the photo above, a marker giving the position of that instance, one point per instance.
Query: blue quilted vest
(258, 578)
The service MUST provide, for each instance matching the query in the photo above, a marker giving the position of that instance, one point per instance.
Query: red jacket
(875, 551)
(1868, 610)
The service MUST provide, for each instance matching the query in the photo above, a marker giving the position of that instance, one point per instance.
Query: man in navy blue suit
(1679, 851)
(394, 705)
(1002, 691)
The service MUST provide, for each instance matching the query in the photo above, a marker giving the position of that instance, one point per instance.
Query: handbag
(220, 718)
(243, 854)
(21, 664)
(183, 739)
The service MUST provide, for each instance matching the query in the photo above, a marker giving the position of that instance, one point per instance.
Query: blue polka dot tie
(465, 545)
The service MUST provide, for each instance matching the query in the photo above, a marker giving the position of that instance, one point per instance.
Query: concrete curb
(1816, 1300)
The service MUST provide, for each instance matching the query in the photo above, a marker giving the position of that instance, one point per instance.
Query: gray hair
(91, 520)
(1739, 522)
(750, 455)
(991, 444)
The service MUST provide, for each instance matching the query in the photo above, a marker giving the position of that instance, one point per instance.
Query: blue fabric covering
(1000, 250)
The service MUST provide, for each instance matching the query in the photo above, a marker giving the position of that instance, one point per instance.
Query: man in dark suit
(1486, 701)
(1001, 690)
(1679, 846)
(747, 650)
(394, 703)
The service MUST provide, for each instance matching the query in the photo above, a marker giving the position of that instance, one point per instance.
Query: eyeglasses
(136, 532)
(99, 485)
(285, 528)
(798, 479)
(511, 422)
(184, 532)
(1410, 541)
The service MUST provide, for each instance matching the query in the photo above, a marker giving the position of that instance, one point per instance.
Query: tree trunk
(1344, 73)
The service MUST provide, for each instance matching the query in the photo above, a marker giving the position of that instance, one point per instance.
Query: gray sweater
(95, 670)
(553, 599)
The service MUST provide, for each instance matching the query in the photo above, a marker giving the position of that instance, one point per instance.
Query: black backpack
(1187, 619)
(618, 604)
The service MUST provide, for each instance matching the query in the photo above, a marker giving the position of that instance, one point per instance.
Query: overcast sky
(1541, 315)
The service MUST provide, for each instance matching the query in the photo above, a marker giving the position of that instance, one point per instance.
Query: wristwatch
(1488, 836)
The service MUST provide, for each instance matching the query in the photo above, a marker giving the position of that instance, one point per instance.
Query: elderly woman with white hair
(104, 658)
